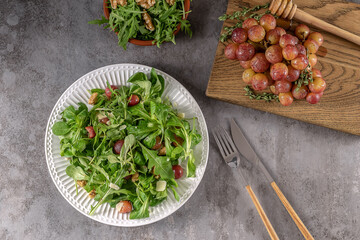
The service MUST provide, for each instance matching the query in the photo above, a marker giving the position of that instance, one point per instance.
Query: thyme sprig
(241, 16)
(268, 97)
(306, 75)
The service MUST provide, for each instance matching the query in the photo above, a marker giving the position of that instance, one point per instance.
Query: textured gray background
(46, 45)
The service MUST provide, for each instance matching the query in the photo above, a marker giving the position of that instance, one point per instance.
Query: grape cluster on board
(277, 60)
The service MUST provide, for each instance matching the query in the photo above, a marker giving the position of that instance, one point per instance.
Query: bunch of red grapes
(274, 59)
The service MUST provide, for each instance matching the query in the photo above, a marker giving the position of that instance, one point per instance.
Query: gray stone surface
(46, 45)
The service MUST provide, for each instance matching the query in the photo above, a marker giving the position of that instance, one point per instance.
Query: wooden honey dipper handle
(288, 10)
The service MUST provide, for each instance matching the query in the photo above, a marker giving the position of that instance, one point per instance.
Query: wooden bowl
(146, 42)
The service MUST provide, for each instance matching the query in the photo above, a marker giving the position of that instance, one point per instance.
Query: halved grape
(259, 63)
(248, 23)
(302, 31)
(268, 22)
(230, 51)
(245, 64)
(293, 74)
(247, 75)
(300, 62)
(313, 98)
(317, 37)
(311, 45)
(299, 92)
(273, 36)
(256, 33)
(287, 39)
(290, 52)
(286, 99)
(318, 85)
(283, 86)
(274, 54)
(245, 52)
(279, 71)
(239, 35)
(259, 82)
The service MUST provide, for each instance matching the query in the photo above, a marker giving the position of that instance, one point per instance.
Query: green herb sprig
(268, 97)
(241, 16)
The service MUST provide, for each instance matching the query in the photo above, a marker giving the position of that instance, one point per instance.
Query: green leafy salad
(127, 150)
(146, 20)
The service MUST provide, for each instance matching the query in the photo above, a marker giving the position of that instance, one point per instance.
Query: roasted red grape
(302, 31)
(286, 98)
(299, 92)
(300, 62)
(256, 33)
(274, 54)
(273, 36)
(248, 23)
(247, 75)
(316, 73)
(283, 86)
(311, 45)
(259, 63)
(157, 145)
(230, 51)
(178, 171)
(279, 71)
(280, 30)
(117, 146)
(259, 82)
(290, 52)
(301, 49)
(245, 52)
(313, 98)
(312, 59)
(91, 131)
(133, 100)
(268, 22)
(124, 206)
(239, 35)
(108, 92)
(293, 74)
(318, 85)
(317, 37)
(287, 39)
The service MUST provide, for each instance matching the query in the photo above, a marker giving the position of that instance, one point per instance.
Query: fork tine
(218, 142)
(231, 142)
(225, 140)
(222, 141)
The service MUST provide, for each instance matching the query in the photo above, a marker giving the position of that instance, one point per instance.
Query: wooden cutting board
(339, 107)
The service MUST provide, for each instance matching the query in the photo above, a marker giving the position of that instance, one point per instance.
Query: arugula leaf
(162, 164)
(77, 173)
(143, 211)
(60, 128)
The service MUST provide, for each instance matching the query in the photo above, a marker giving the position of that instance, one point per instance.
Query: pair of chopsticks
(230, 154)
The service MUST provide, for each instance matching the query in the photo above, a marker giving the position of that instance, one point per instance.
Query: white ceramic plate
(78, 92)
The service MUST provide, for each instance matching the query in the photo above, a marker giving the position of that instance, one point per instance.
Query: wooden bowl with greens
(146, 22)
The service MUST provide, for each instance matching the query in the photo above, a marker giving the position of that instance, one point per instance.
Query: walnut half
(148, 23)
(114, 3)
(170, 2)
(93, 98)
(146, 3)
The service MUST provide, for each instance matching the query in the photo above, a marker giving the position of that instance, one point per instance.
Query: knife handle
(291, 211)
(262, 214)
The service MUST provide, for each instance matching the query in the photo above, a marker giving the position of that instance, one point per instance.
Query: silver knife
(248, 152)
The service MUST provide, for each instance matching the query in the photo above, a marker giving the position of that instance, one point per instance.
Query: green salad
(146, 20)
(127, 150)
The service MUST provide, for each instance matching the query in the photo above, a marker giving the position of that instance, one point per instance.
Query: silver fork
(232, 157)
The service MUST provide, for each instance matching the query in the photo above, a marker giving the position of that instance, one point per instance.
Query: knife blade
(246, 150)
